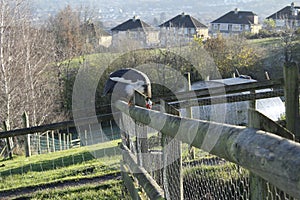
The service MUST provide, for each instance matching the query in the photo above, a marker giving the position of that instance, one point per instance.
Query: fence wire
(209, 177)
(62, 159)
(204, 176)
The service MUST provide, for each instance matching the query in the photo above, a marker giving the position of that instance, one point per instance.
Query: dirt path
(9, 194)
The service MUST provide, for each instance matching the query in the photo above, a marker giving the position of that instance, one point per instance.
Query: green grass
(109, 190)
(226, 172)
(266, 41)
(73, 164)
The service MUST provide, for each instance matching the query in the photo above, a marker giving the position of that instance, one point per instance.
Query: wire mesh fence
(54, 159)
(210, 177)
(192, 173)
(181, 171)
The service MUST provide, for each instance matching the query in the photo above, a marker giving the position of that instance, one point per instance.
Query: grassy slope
(63, 166)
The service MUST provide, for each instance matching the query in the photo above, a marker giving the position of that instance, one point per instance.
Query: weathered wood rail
(49, 127)
(221, 90)
(271, 157)
(60, 132)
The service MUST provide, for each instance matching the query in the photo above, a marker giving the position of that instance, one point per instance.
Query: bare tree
(66, 28)
(10, 57)
(28, 82)
(40, 77)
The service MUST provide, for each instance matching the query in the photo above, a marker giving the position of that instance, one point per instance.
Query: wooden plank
(141, 131)
(272, 157)
(228, 99)
(27, 137)
(47, 142)
(148, 184)
(8, 140)
(258, 186)
(225, 89)
(189, 114)
(60, 142)
(54, 126)
(53, 141)
(262, 122)
(291, 93)
(172, 161)
(129, 182)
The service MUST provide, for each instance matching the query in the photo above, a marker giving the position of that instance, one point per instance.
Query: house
(134, 31)
(94, 35)
(105, 39)
(181, 30)
(288, 16)
(236, 22)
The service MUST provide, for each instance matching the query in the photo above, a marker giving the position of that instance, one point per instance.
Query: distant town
(155, 12)
(182, 28)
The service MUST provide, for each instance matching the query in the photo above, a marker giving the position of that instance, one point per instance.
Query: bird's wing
(129, 90)
(121, 80)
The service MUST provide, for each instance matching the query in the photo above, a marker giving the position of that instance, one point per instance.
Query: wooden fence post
(64, 141)
(27, 137)
(189, 114)
(8, 140)
(291, 93)
(172, 161)
(60, 142)
(47, 142)
(258, 186)
(53, 141)
(141, 132)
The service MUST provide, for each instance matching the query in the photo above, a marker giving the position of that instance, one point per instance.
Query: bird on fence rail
(124, 82)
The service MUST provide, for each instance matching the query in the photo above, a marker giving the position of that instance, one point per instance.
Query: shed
(235, 113)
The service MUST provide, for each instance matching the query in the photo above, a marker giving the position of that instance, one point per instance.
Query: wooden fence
(264, 148)
(269, 157)
(57, 136)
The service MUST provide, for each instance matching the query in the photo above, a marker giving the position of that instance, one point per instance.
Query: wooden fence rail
(149, 185)
(49, 127)
(227, 98)
(42, 141)
(269, 156)
(220, 90)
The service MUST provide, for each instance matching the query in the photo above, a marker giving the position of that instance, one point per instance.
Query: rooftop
(183, 20)
(133, 24)
(236, 17)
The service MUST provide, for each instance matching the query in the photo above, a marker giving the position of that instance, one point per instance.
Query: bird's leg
(130, 101)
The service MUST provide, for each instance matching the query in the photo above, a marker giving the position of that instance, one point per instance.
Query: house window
(241, 27)
(185, 31)
(192, 31)
(236, 27)
(216, 26)
(247, 27)
(224, 27)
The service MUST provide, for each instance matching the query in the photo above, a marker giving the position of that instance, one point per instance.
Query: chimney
(236, 11)
(134, 18)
